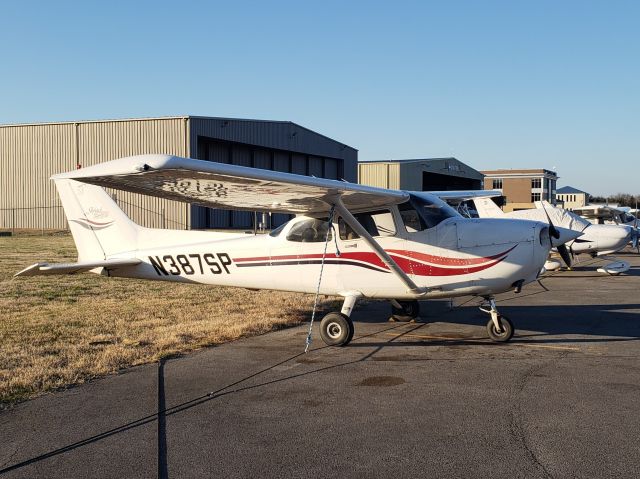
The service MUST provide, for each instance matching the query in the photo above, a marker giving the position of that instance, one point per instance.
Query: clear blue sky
(497, 84)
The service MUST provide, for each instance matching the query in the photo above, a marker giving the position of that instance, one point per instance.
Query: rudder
(99, 227)
(487, 208)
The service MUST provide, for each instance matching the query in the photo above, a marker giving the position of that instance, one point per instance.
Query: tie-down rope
(330, 228)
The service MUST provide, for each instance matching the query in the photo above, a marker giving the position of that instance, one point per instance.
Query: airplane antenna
(324, 255)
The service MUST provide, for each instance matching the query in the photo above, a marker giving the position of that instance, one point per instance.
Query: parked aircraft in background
(348, 240)
(609, 215)
(597, 240)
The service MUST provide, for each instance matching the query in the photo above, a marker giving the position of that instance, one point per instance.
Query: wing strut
(382, 254)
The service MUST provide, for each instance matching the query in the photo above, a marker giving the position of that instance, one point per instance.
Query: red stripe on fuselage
(445, 261)
(408, 265)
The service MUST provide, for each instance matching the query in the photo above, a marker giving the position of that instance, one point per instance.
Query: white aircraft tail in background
(487, 208)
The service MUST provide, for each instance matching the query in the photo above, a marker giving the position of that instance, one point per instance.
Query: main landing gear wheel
(336, 329)
(500, 336)
(406, 311)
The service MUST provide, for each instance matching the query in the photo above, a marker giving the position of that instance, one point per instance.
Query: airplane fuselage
(454, 258)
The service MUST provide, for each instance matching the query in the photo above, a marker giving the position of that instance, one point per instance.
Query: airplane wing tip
(30, 270)
(120, 166)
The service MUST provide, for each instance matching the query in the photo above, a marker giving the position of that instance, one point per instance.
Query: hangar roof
(445, 166)
(570, 190)
(265, 132)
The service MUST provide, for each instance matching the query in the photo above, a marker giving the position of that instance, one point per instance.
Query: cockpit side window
(310, 231)
(432, 210)
(377, 223)
(410, 217)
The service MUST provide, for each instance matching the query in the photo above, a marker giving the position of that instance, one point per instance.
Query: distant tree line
(621, 199)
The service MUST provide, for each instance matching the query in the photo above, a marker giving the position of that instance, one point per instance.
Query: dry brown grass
(61, 330)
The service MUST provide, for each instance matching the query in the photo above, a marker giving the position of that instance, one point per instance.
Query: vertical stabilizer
(487, 208)
(99, 227)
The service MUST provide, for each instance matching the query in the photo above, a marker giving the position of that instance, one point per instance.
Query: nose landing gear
(336, 329)
(499, 327)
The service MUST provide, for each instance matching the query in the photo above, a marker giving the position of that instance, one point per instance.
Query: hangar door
(440, 182)
(242, 154)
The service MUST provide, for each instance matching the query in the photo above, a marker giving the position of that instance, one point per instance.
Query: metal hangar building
(429, 174)
(31, 153)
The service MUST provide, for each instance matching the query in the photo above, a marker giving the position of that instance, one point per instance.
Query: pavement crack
(518, 431)
(15, 450)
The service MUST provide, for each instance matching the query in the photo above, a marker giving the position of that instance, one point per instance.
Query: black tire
(500, 337)
(409, 310)
(336, 329)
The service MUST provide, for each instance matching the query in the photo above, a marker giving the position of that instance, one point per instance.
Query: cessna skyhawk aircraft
(597, 240)
(348, 240)
(608, 215)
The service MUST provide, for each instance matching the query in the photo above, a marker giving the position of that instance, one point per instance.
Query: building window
(535, 197)
(497, 183)
(536, 182)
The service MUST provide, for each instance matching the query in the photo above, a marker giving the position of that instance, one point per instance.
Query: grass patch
(58, 331)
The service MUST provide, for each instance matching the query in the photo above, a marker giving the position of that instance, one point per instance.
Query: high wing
(235, 187)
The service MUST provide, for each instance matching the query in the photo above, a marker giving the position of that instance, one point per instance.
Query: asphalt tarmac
(433, 398)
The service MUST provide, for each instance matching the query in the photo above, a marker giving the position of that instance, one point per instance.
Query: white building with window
(572, 197)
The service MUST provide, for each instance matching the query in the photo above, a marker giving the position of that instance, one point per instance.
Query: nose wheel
(336, 328)
(499, 328)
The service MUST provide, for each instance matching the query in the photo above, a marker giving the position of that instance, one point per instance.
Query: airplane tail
(544, 204)
(487, 208)
(99, 227)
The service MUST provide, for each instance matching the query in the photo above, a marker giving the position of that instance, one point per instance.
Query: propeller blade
(564, 254)
(552, 229)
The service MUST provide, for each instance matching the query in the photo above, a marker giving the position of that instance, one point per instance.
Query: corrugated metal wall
(104, 141)
(380, 174)
(30, 154)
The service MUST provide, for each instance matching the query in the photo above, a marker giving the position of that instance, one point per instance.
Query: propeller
(553, 231)
(564, 254)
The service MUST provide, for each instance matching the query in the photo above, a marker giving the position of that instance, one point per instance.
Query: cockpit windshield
(431, 210)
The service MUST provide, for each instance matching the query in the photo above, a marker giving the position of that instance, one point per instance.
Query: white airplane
(609, 215)
(597, 240)
(348, 240)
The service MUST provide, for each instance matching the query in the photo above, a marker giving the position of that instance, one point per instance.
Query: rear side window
(377, 223)
(309, 231)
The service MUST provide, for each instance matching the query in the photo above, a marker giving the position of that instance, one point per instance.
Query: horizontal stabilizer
(40, 269)
(464, 195)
